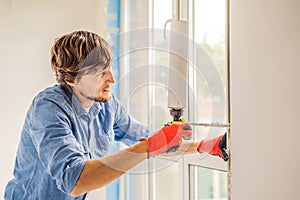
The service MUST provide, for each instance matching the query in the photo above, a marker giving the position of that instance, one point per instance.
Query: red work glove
(216, 146)
(167, 139)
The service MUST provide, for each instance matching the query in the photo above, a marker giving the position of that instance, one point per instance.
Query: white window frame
(189, 160)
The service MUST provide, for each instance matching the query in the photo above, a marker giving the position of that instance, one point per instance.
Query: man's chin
(105, 98)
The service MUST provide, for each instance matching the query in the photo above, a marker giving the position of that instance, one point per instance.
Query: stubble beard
(100, 99)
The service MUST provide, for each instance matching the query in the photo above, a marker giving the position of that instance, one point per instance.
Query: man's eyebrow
(101, 71)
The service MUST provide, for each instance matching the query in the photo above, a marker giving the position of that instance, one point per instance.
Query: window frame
(186, 161)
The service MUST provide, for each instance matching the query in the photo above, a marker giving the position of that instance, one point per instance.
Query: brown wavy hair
(78, 53)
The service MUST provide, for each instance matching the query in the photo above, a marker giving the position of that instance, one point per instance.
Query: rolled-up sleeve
(57, 148)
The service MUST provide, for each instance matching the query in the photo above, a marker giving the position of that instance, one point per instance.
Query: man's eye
(100, 74)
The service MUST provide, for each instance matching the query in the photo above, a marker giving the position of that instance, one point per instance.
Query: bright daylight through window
(199, 176)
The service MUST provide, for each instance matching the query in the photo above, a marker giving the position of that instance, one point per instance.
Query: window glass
(166, 176)
(210, 184)
(166, 180)
(162, 12)
(134, 91)
(209, 89)
(209, 67)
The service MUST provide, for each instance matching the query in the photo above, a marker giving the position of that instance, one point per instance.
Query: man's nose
(111, 77)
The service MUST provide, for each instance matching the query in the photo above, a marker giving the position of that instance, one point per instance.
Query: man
(69, 127)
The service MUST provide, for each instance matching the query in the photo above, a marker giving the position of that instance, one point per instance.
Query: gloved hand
(167, 139)
(216, 146)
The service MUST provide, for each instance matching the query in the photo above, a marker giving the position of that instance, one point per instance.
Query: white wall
(27, 31)
(265, 99)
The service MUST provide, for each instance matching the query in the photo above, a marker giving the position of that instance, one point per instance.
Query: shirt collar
(76, 105)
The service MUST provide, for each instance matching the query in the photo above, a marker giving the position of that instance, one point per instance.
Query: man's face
(94, 87)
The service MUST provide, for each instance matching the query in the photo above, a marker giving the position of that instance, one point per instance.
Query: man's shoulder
(54, 91)
(53, 94)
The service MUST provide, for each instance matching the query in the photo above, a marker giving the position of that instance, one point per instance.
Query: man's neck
(86, 103)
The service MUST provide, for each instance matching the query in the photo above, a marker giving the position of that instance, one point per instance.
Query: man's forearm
(99, 172)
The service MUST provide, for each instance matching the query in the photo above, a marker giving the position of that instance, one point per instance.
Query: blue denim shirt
(59, 136)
